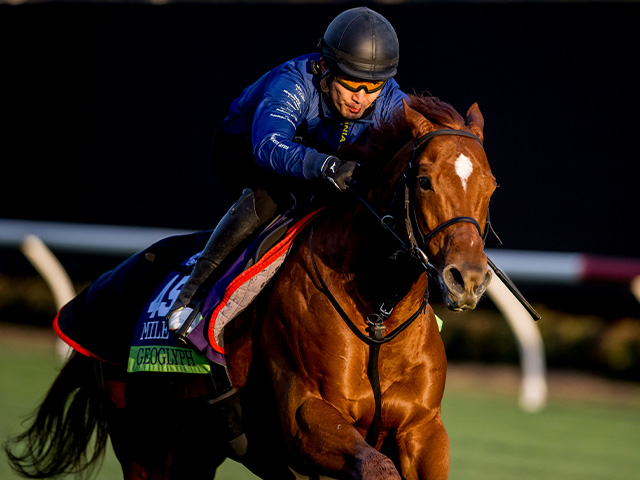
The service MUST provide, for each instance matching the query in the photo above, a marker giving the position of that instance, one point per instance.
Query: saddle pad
(239, 287)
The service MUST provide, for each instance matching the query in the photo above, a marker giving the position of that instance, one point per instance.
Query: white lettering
(278, 144)
(283, 118)
(154, 330)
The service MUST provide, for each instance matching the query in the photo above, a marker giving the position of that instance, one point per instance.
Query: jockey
(292, 123)
(286, 130)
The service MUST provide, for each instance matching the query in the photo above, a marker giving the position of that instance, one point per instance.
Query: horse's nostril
(487, 279)
(483, 283)
(454, 279)
(473, 281)
(457, 276)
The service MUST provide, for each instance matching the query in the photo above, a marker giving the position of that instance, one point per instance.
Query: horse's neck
(370, 261)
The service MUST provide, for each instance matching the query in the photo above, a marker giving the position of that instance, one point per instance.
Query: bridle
(411, 224)
(413, 248)
(410, 217)
(417, 244)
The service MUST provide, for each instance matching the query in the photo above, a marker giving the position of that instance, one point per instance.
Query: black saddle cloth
(100, 321)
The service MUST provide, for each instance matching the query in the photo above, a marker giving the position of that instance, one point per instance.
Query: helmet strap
(324, 81)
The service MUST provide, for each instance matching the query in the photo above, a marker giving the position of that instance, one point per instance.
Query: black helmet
(361, 43)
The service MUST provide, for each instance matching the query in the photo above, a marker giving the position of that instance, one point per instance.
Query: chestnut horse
(339, 362)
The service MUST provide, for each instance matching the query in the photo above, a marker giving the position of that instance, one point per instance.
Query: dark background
(109, 109)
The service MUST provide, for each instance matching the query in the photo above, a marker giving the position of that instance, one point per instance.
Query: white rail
(54, 274)
(115, 240)
(533, 387)
(519, 265)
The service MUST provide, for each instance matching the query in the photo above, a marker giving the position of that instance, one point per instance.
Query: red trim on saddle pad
(278, 250)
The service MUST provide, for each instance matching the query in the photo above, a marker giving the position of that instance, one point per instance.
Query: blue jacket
(291, 128)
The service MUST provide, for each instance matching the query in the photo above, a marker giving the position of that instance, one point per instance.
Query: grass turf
(579, 436)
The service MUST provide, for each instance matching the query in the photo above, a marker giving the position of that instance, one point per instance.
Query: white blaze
(464, 167)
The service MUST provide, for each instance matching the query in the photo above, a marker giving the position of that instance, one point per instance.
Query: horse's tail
(58, 440)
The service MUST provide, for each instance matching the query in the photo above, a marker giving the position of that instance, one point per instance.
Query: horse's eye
(425, 183)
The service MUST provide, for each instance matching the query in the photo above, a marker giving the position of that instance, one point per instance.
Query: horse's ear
(475, 120)
(419, 125)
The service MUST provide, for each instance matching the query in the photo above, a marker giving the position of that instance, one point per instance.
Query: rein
(376, 327)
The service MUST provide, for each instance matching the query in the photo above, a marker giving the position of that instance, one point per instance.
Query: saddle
(120, 317)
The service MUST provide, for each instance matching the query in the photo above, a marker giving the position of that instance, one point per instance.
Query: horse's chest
(346, 381)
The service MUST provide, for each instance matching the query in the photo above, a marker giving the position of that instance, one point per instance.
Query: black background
(108, 109)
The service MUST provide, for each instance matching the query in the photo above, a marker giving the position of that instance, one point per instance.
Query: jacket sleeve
(284, 107)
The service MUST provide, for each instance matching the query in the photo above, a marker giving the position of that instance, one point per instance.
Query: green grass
(491, 438)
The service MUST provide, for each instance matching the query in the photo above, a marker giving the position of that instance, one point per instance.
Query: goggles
(354, 85)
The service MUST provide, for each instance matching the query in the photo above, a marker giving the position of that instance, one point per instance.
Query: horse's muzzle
(462, 287)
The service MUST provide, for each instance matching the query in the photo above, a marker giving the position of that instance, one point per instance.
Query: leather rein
(415, 248)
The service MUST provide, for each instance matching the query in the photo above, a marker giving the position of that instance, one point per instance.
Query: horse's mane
(383, 142)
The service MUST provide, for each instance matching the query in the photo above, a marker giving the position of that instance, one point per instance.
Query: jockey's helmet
(362, 44)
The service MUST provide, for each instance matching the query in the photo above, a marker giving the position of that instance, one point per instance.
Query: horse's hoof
(379, 467)
(239, 446)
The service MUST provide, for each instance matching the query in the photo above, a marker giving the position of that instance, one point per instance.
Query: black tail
(59, 439)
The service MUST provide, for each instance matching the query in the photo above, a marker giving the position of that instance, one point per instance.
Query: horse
(339, 361)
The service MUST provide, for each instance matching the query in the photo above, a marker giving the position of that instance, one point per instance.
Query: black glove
(339, 172)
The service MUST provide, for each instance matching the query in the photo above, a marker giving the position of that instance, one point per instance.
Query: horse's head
(439, 181)
(449, 184)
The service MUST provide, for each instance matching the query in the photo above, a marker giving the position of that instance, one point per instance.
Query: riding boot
(228, 410)
(251, 211)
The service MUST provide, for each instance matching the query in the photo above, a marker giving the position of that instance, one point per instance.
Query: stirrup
(189, 324)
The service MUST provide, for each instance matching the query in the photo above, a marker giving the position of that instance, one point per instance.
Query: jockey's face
(351, 105)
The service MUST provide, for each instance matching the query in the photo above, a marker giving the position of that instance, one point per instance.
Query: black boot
(250, 212)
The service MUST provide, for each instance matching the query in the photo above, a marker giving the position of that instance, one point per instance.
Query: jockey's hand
(178, 317)
(339, 172)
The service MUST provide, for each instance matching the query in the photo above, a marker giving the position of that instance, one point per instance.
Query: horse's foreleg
(423, 451)
(327, 439)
